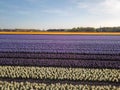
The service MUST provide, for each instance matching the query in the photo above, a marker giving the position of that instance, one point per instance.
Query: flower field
(59, 62)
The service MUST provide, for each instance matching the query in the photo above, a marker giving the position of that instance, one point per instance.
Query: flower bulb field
(59, 62)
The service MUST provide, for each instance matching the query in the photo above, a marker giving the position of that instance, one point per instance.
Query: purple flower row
(59, 37)
(59, 45)
(59, 56)
(59, 51)
(60, 63)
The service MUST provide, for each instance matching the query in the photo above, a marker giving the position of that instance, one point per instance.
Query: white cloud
(111, 6)
(104, 6)
(82, 5)
(56, 11)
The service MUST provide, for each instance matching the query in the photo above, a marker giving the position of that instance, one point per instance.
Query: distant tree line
(58, 30)
(89, 29)
(77, 29)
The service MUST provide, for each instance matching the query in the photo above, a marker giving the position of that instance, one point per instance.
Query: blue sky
(44, 14)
